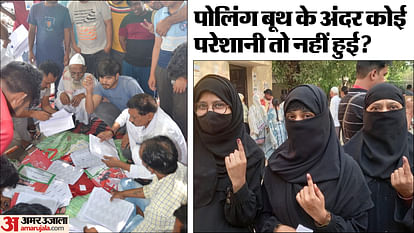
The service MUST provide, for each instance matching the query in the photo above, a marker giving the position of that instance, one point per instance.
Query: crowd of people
(123, 63)
(308, 177)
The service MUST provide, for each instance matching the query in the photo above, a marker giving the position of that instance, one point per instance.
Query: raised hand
(312, 200)
(236, 166)
(402, 179)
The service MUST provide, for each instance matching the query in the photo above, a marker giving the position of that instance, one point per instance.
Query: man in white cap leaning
(71, 93)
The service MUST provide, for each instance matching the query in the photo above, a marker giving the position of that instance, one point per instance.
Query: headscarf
(384, 139)
(311, 144)
(313, 147)
(210, 150)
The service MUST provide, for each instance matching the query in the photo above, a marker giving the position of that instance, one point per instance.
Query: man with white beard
(71, 94)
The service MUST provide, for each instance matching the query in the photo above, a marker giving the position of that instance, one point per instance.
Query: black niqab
(311, 144)
(313, 147)
(210, 150)
(384, 139)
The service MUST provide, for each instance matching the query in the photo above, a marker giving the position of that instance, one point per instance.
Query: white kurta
(160, 125)
(65, 85)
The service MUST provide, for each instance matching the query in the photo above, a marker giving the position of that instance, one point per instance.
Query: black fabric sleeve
(404, 213)
(266, 221)
(240, 208)
(358, 223)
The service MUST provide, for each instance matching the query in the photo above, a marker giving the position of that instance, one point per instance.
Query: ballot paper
(59, 122)
(65, 172)
(38, 198)
(57, 190)
(100, 210)
(95, 171)
(36, 174)
(60, 191)
(99, 149)
(302, 228)
(84, 159)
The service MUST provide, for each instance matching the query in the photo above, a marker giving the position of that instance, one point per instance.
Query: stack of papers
(59, 122)
(84, 159)
(99, 149)
(100, 210)
(65, 172)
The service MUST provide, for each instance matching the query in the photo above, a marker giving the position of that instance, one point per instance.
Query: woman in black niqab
(378, 148)
(216, 207)
(313, 148)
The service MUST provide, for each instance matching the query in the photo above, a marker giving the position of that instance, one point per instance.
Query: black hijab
(384, 138)
(210, 150)
(313, 147)
(311, 143)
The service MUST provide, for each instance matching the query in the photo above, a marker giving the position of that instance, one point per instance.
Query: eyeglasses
(218, 107)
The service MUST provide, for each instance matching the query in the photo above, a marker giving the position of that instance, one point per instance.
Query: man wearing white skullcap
(71, 93)
(334, 108)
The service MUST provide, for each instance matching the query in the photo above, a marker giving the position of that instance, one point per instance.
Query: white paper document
(60, 191)
(59, 122)
(99, 149)
(38, 198)
(302, 228)
(65, 172)
(84, 159)
(100, 210)
(36, 174)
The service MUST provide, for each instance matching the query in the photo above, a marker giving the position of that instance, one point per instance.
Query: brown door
(238, 77)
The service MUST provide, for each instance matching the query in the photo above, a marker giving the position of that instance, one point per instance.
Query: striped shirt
(351, 109)
(166, 195)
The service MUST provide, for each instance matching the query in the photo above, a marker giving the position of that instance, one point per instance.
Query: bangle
(405, 198)
(328, 216)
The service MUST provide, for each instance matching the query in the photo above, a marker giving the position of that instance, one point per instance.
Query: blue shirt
(176, 35)
(50, 22)
(124, 90)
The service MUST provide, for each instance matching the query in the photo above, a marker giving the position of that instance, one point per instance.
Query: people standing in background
(267, 99)
(119, 9)
(177, 73)
(276, 123)
(334, 107)
(245, 114)
(50, 25)
(163, 51)
(344, 91)
(257, 121)
(93, 22)
(138, 42)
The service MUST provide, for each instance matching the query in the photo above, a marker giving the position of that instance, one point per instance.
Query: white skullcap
(77, 59)
(335, 90)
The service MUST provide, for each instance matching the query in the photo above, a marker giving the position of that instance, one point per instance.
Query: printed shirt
(89, 19)
(166, 195)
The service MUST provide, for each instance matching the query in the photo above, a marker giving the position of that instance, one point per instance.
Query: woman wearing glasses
(228, 164)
